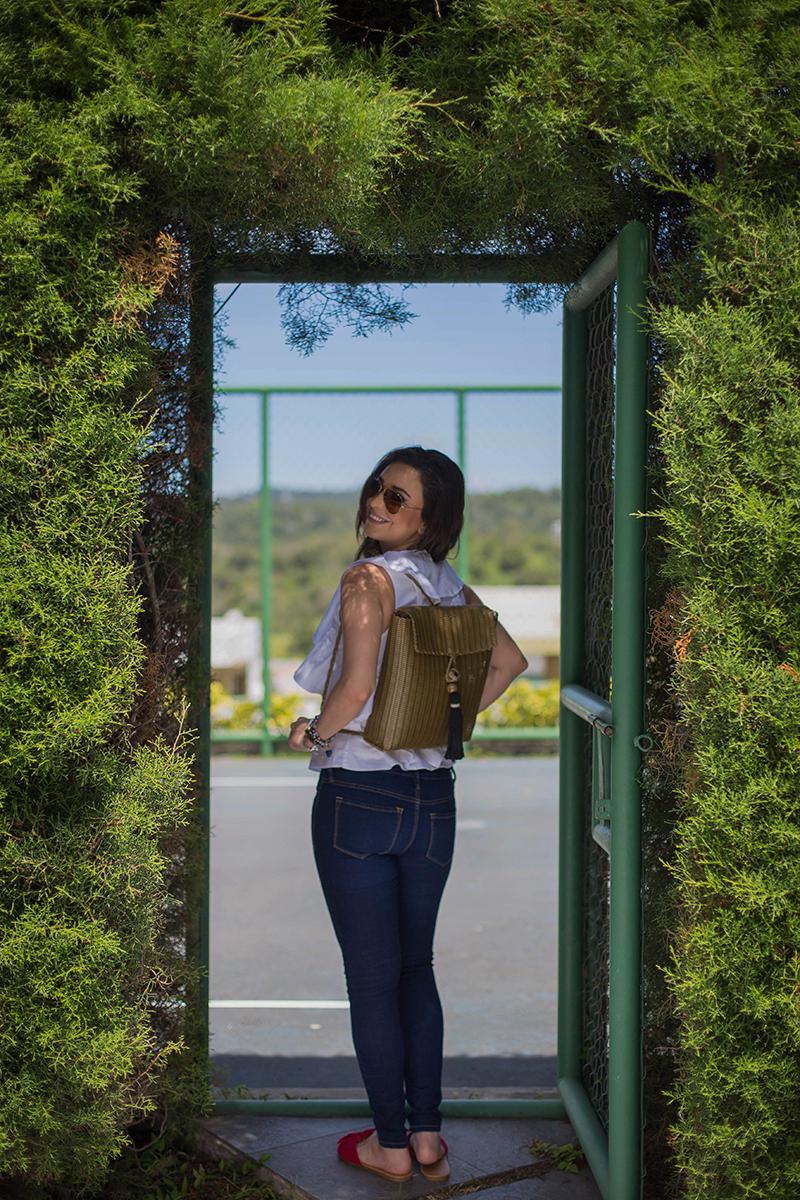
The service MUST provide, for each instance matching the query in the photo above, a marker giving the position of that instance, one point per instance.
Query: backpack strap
(416, 582)
(333, 660)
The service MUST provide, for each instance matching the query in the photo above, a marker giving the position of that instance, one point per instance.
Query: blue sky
(462, 336)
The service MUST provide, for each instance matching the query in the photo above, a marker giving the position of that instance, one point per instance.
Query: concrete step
(298, 1158)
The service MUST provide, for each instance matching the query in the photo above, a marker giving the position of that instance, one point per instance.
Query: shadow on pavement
(277, 1072)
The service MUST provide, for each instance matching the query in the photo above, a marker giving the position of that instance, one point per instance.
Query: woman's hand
(297, 735)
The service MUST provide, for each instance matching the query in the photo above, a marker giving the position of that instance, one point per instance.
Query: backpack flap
(461, 629)
(461, 637)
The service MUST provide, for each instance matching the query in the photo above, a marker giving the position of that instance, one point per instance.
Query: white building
(532, 615)
(236, 654)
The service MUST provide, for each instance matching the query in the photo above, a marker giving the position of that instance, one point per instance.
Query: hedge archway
(144, 143)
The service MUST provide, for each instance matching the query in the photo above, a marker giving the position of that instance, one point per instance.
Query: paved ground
(300, 1158)
(271, 937)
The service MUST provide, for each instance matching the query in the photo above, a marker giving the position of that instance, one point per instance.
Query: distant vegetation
(513, 540)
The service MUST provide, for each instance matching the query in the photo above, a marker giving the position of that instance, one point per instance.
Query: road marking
(279, 1004)
(262, 781)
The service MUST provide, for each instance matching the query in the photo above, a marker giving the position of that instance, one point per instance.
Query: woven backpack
(432, 676)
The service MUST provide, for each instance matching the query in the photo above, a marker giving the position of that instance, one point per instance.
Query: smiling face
(401, 530)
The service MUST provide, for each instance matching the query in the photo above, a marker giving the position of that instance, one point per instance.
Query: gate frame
(616, 1159)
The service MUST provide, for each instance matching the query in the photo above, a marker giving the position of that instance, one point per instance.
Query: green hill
(512, 541)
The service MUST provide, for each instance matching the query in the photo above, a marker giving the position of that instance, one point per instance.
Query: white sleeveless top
(440, 582)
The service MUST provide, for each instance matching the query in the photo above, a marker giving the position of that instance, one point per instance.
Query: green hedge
(82, 867)
(80, 873)
(731, 429)
(82, 894)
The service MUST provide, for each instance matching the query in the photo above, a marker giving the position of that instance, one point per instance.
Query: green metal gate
(602, 730)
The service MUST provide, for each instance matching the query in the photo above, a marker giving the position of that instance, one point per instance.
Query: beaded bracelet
(319, 743)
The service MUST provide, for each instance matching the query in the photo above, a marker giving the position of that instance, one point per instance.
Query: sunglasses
(393, 501)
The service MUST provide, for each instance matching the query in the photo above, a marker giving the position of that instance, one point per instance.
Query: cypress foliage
(83, 811)
(731, 428)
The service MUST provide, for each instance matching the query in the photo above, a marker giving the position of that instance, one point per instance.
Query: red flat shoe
(349, 1154)
(429, 1169)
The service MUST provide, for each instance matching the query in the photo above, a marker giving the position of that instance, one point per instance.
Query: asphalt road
(271, 937)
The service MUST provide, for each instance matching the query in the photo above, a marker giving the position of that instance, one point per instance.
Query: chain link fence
(600, 558)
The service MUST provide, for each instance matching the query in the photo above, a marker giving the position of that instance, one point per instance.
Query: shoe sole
(431, 1177)
(428, 1168)
(383, 1174)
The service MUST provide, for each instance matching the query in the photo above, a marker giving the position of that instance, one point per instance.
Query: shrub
(523, 703)
(84, 983)
(730, 424)
(81, 976)
(230, 713)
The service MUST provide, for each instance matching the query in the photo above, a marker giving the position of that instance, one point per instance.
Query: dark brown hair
(442, 500)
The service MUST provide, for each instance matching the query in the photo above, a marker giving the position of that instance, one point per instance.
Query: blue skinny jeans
(383, 841)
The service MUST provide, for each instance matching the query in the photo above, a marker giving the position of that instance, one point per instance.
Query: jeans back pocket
(442, 839)
(364, 829)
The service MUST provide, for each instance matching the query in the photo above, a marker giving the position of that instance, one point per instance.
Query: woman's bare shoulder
(367, 588)
(367, 577)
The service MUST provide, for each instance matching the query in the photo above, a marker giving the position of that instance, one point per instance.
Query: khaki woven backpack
(432, 677)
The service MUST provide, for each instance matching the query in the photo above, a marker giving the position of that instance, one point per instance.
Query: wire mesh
(513, 441)
(600, 558)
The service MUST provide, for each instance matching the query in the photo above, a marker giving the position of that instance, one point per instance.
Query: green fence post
(462, 560)
(624, 1103)
(266, 579)
(201, 419)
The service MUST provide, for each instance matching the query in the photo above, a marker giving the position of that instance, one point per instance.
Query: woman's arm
(367, 604)
(507, 661)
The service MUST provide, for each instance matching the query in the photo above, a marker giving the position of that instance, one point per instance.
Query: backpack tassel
(455, 724)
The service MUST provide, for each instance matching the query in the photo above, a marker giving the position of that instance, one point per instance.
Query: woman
(384, 823)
